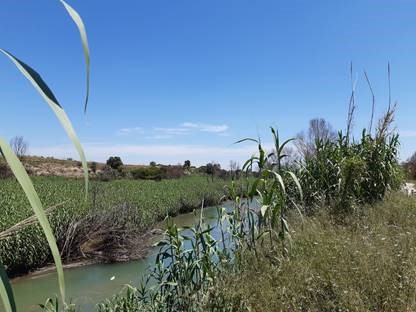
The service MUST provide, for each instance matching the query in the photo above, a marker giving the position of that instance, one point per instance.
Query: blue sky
(176, 80)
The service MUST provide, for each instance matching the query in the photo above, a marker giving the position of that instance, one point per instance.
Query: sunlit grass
(365, 264)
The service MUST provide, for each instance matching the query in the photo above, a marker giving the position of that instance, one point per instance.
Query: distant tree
(212, 168)
(319, 130)
(19, 146)
(187, 164)
(209, 170)
(152, 164)
(115, 162)
(233, 169)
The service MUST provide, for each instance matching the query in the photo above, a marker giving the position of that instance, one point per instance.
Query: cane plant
(269, 189)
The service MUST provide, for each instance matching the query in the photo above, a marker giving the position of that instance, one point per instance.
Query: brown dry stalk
(25, 223)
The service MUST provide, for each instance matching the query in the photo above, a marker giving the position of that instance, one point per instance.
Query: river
(88, 285)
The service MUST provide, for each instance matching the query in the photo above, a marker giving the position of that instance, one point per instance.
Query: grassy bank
(366, 263)
(145, 201)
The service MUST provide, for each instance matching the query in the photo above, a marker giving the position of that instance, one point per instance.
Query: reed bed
(149, 202)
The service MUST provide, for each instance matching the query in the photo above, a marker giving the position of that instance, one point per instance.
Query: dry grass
(367, 263)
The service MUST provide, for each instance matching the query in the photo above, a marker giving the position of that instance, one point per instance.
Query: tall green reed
(345, 172)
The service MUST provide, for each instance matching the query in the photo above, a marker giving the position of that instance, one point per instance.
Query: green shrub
(149, 173)
(115, 162)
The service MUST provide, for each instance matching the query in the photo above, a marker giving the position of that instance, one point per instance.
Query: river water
(91, 284)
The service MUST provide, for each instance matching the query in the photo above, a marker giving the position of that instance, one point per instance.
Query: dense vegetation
(352, 252)
(367, 263)
(148, 202)
(345, 174)
(317, 264)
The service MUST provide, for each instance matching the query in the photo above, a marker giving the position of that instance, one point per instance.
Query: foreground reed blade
(19, 171)
(6, 291)
(53, 103)
(81, 27)
(30, 192)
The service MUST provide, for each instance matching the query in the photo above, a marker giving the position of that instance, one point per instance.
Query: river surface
(91, 284)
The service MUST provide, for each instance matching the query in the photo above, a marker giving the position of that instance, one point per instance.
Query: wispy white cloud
(206, 127)
(188, 128)
(408, 133)
(159, 137)
(171, 131)
(185, 128)
(189, 125)
(133, 130)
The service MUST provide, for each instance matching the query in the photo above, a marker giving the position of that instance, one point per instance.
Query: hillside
(50, 166)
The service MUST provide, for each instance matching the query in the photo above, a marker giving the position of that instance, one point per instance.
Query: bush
(5, 171)
(115, 162)
(108, 174)
(158, 172)
(93, 167)
(174, 172)
(149, 173)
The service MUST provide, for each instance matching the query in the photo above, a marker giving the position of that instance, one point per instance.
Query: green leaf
(53, 103)
(296, 180)
(249, 163)
(246, 139)
(27, 186)
(280, 180)
(275, 133)
(284, 144)
(6, 292)
(80, 24)
(263, 210)
(298, 209)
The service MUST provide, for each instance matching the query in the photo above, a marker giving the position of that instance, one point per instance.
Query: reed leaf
(6, 292)
(30, 192)
(296, 180)
(280, 180)
(53, 103)
(80, 24)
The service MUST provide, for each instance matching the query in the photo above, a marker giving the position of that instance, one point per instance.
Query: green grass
(367, 263)
(152, 201)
